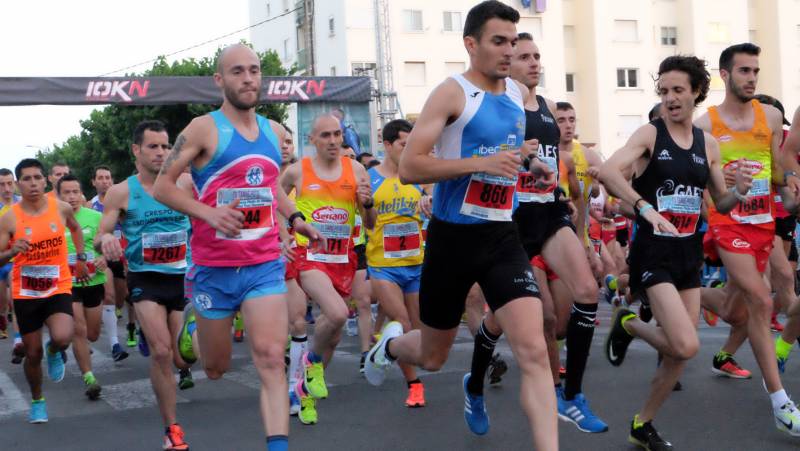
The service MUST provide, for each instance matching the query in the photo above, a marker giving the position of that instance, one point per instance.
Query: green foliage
(106, 136)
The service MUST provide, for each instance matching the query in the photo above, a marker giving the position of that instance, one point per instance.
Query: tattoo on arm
(174, 154)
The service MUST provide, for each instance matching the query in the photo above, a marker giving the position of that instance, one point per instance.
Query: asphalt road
(710, 414)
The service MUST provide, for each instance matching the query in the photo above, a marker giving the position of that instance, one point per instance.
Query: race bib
(38, 281)
(338, 244)
(72, 259)
(489, 197)
(401, 240)
(165, 249)
(683, 211)
(756, 208)
(526, 189)
(256, 204)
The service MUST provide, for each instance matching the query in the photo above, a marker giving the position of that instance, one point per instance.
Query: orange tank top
(43, 271)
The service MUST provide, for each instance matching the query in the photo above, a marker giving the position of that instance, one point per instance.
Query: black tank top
(540, 125)
(673, 183)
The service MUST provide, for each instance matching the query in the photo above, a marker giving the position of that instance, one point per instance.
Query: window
(414, 73)
(627, 124)
(569, 36)
(626, 31)
(570, 82)
(627, 78)
(331, 26)
(718, 33)
(669, 36)
(452, 21)
(333, 71)
(286, 49)
(412, 20)
(454, 67)
(364, 70)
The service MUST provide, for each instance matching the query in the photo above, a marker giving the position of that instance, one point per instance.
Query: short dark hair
(654, 112)
(372, 164)
(28, 163)
(564, 106)
(5, 171)
(101, 167)
(288, 130)
(485, 11)
(57, 164)
(694, 67)
(391, 131)
(141, 127)
(363, 155)
(524, 36)
(67, 178)
(726, 57)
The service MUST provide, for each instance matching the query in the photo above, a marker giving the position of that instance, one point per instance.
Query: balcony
(300, 14)
(302, 60)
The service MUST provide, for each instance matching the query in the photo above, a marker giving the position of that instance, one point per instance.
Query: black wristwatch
(81, 256)
(788, 173)
(294, 216)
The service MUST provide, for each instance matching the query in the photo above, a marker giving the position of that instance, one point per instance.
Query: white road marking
(12, 401)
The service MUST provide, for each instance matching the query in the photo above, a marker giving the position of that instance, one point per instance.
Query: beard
(738, 92)
(233, 97)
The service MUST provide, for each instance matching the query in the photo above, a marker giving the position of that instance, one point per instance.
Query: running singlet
(246, 171)
(396, 239)
(42, 271)
(99, 207)
(673, 183)
(754, 146)
(157, 235)
(582, 170)
(330, 206)
(89, 221)
(540, 124)
(489, 124)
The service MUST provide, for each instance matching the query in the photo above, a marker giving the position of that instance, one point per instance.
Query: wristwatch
(81, 257)
(788, 173)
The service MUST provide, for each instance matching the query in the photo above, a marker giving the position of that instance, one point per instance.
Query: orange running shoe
(173, 439)
(710, 317)
(724, 365)
(416, 395)
(774, 324)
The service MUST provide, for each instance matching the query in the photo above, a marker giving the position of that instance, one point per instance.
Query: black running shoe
(618, 338)
(497, 368)
(647, 437)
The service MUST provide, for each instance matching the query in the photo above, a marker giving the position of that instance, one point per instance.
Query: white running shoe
(376, 363)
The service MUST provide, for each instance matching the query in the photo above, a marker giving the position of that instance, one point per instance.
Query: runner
(7, 198)
(116, 289)
(673, 163)
(331, 190)
(33, 234)
(749, 131)
(58, 170)
(157, 256)
(86, 297)
(235, 160)
(475, 122)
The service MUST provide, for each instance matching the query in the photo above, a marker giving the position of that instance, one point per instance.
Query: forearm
(725, 201)
(170, 195)
(424, 169)
(617, 186)
(368, 217)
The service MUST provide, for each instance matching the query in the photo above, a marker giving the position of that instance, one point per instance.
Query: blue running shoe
(144, 349)
(578, 412)
(38, 413)
(560, 403)
(475, 411)
(294, 403)
(782, 365)
(55, 364)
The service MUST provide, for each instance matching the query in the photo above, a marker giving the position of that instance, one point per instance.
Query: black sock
(415, 381)
(580, 331)
(131, 326)
(482, 352)
(386, 351)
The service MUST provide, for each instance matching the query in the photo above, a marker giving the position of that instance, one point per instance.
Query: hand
(100, 263)
(659, 223)
(594, 172)
(743, 179)
(81, 272)
(793, 183)
(502, 164)
(529, 148)
(317, 242)
(287, 249)
(543, 175)
(20, 246)
(364, 193)
(426, 205)
(226, 219)
(112, 250)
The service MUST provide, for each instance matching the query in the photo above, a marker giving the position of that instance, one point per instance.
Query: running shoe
(185, 345)
(361, 363)
(578, 413)
(416, 395)
(3, 327)
(238, 336)
(678, 386)
(308, 408)
(173, 439)
(377, 363)
(117, 353)
(144, 348)
(475, 411)
(55, 364)
(560, 407)
(93, 389)
(618, 339)
(238, 328)
(710, 317)
(38, 413)
(118, 312)
(562, 372)
(787, 419)
(131, 342)
(314, 378)
(185, 380)
(294, 403)
(497, 368)
(18, 353)
(725, 366)
(774, 324)
(647, 437)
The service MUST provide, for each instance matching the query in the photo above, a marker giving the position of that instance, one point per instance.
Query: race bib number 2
(401, 240)
(255, 204)
(338, 244)
(165, 249)
(489, 197)
(38, 281)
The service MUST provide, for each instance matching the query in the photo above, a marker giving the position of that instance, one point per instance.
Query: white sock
(779, 398)
(110, 324)
(17, 340)
(297, 348)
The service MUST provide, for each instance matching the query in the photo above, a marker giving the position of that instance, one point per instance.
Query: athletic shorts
(163, 289)
(539, 262)
(291, 270)
(405, 277)
(740, 239)
(622, 237)
(652, 261)
(32, 313)
(793, 253)
(536, 224)
(117, 269)
(459, 255)
(784, 227)
(341, 275)
(608, 235)
(5, 270)
(90, 297)
(361, 256)
(218, 292)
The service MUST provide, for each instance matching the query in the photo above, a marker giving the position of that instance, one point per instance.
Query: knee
(35, 355)
(761, 306)
(61, 340)
(215, 372)
(92, 334)
(685, 349)
(269, 356)
(433, 361)
(337, 316)
(737, 317)
(298, 326)
(586, 291)
(530, 353)
(161, 353)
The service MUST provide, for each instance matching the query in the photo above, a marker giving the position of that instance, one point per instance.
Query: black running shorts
(90, 297)
(117, 269)
(32, 313)
(361, 255)
(163, 289)
(784, 228)
(538, 222)
(678, 262)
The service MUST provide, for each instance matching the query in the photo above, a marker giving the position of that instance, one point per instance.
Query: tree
(107, 134)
